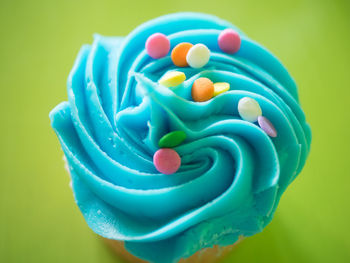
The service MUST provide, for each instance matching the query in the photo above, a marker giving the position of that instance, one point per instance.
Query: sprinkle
(198, 56)
(157, 45)
(179, 53)
(267, 126)
(220, 87)
(249, 109)
(172, 139)
(229, 41)
(172, 79)
(166, 161)
(202, 89)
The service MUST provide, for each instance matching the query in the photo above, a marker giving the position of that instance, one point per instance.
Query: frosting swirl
(232, 173)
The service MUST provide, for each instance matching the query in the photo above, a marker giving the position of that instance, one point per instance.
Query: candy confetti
(179, 53)
(220, 87)
(172, 139)
(267, 126)
(166, 161)
(229, 41)
(172, 79)
(157, 45)
(198, 56)
(249, 109)
(202, 89)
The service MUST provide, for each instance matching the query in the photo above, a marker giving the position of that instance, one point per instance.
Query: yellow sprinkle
(220, 87)
(172, 79)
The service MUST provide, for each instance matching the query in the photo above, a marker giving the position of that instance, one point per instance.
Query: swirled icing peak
(232, 173)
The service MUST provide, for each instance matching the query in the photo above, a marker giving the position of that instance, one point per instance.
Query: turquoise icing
(232, 174)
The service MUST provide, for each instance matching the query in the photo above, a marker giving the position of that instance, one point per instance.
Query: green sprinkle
(172, 139)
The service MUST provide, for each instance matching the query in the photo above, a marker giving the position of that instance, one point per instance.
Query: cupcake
(180, 138)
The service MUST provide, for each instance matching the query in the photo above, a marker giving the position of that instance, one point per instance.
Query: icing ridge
(232, 173)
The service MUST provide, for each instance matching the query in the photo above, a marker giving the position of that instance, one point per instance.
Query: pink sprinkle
(157, 45)
(229, 41)
(267, 126)
(166, 161)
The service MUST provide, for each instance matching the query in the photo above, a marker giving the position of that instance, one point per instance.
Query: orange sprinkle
(202, 90)
(179, 53)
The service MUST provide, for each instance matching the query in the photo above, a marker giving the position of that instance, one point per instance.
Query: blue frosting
(232, 173)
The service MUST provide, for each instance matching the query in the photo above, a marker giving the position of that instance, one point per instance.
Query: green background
(39, 221)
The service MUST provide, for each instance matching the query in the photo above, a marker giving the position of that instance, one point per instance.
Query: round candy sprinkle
(166, 161)
(249, 109)
(179, 53)
(267, 126)
(220, 87)
(229, 41)
(157, 45)
(172, 139)
(198, 56)
(202, 89)
(172, 79)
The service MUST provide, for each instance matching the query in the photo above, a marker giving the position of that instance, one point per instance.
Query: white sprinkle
(198, 56)
(249, 109)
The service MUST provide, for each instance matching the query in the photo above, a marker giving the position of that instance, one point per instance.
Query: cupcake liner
(207, 255)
